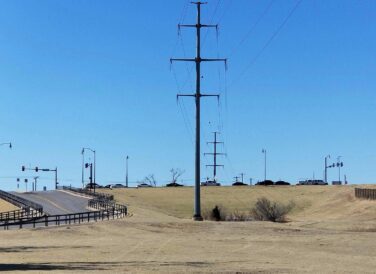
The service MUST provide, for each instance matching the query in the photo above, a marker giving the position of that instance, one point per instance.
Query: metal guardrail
(16, 215)
(105, 205)
(66, 219)
(102, 196)
(365, 193)
(106, 209)
(20, 202)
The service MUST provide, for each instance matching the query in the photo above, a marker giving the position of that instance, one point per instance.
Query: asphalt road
(57, 202)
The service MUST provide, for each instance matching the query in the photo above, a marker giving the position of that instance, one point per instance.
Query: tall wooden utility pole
(197, 204)
(215, 153)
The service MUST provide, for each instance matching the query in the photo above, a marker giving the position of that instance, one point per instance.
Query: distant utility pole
(35, 183)
(264, 152)
(326, 168)
(126, 171)
(197, 205)
(215, 153)
(242, 176)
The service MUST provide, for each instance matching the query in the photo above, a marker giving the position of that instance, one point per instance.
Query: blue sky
(97, 74)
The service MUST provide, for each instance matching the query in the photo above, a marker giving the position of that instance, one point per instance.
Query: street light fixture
(10, 144)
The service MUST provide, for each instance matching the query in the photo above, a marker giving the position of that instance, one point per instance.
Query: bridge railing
(89, 192)
(65, 219)
(20, 202)
(106, 205)
(16, 215)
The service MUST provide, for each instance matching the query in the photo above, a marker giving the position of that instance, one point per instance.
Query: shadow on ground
(51, 266)
(16, 249)
(87, 266)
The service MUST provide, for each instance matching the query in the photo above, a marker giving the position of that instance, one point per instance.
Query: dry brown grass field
(329, 231)
(5, 206)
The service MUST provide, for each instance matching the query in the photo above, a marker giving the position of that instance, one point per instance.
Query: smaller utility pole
(326, 168)
(215, 153)
(264, 152)
(126, 171)
(242, 175)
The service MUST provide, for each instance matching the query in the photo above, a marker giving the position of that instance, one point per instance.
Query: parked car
(210, 183)
(265, 183)
(144, 185)
(282, 183)
(118, 186)
(92, 185)
(239, 184)
(173, 185)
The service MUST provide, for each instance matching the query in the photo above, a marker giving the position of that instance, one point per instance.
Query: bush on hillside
(265, 210)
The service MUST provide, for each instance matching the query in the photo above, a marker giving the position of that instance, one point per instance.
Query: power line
(268, 42)
(253, 27)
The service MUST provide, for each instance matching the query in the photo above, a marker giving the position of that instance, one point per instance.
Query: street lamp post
(83, 168)
(92, 185)
(264, 151)
(35, 183)
(95, 165)
(326, 168)
(126, 171)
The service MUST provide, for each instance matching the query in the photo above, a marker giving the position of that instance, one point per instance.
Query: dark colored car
(173, 185)
(265, 183)
(282, 183)
(92, 185)
(239, 184)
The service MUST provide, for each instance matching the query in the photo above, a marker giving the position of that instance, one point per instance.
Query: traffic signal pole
(36, 169)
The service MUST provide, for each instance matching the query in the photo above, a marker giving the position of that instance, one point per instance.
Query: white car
(144, 185)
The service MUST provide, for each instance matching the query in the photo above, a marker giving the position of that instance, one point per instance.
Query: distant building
(337, 183)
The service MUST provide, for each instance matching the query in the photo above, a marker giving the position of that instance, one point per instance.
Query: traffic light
(36, 169)
(26, 180)
(18, 179)
(23, 168)
(86, 165)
